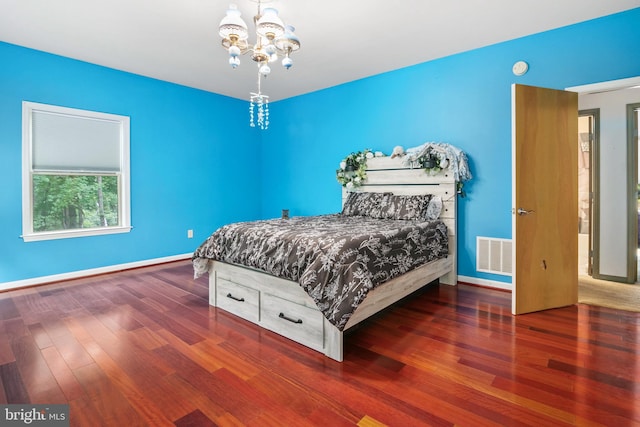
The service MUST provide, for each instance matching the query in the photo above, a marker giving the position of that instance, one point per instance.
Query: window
(75, 174)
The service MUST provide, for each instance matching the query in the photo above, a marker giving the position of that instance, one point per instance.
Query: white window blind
(74, 143)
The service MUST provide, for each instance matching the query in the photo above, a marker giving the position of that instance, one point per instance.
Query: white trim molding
(606, 86)
(485, 283)
(6, 286)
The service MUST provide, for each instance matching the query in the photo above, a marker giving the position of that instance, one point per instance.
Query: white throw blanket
(449, 156)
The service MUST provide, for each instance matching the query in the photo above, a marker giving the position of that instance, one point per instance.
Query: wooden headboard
(390, 175)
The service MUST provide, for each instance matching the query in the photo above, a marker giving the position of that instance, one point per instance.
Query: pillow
(363, 204)
(434, 208)
(392, 206)
(405, 207)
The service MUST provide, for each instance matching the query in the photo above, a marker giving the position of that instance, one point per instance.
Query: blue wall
(181, 174)
(182, 140)
(463, 99)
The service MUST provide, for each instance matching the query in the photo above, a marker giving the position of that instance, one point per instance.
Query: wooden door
(545, 196)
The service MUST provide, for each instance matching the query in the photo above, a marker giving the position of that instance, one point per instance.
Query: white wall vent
(494, 255)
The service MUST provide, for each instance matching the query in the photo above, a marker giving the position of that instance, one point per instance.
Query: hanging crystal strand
(259, 104)
(260, 107)
(251, 106)
(263, 114)
(260, 113)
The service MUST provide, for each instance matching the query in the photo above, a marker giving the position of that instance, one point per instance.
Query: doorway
(606, 292)
(608, 210)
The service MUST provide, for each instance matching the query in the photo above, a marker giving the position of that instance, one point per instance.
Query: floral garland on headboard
(430, 156)
(353, 168)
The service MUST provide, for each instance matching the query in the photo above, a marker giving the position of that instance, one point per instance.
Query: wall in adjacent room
(464, 99)
(181, 175)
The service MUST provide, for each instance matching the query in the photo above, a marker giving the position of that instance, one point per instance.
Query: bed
(294, 305)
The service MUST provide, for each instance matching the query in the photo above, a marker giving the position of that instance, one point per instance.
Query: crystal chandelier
(273, 39)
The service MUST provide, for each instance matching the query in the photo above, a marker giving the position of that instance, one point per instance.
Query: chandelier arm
(244, 48)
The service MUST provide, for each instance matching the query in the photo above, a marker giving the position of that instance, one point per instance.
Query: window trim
(124, 202)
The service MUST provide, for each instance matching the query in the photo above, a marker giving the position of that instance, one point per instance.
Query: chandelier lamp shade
(273, 40)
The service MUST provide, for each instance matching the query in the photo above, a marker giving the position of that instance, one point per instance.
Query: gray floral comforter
(337, 259)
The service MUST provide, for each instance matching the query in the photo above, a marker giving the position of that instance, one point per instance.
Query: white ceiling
(342, 40)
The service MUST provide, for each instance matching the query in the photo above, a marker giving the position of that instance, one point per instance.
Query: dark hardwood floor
(143, 347)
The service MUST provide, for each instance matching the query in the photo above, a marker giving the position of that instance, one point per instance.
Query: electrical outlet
(190, 234)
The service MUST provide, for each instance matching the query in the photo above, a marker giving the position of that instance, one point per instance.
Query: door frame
(632, 188)
(594, 193)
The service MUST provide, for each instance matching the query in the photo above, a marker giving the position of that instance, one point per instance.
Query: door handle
(524, 211)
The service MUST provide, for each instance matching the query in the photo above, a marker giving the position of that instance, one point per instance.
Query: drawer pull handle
(235, 298)
(282, 316)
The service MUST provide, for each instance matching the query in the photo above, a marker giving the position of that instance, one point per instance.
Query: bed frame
(282, 306)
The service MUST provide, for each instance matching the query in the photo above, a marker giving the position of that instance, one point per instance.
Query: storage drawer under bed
(300, 323)
(239, 300)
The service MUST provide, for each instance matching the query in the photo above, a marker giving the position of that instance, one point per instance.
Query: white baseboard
(119, 267)
(91, 272)
(486, 283)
